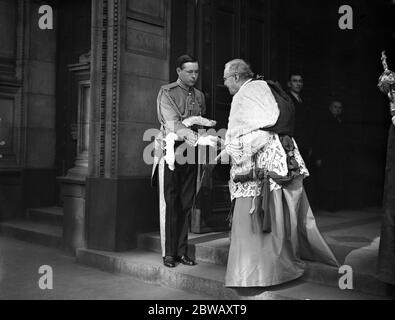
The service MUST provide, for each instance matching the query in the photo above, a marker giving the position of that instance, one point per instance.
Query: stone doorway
(227, 30)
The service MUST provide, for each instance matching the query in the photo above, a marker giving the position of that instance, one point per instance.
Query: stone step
(33, 232)
(206, 279)
(209, 248)
(213, 248)
(50, 215)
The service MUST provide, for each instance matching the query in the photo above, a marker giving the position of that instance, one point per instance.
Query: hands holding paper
(198, 120)
(209, 140)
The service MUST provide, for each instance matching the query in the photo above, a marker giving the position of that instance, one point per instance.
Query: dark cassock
(386, 263)
(386, 259)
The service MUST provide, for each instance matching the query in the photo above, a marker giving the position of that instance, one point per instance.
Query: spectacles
(232, 75)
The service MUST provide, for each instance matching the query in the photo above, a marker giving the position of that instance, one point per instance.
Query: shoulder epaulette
(170, 86)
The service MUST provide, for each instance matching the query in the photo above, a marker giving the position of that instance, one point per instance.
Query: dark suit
(303, 125)
(303, 137)
(330, 147)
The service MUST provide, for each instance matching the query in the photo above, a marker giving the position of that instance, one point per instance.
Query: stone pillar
(130, 62)
(73, 185)
(82, 74)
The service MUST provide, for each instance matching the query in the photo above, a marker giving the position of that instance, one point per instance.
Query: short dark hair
(333, 100)
(185, 58)
(294, 73)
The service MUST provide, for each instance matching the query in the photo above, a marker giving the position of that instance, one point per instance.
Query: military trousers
(179, 194)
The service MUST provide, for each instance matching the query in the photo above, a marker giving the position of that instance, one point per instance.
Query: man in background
(330, 150)
(303, 132)
(303, 123)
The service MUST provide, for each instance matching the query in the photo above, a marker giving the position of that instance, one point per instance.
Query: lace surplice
(263, 150)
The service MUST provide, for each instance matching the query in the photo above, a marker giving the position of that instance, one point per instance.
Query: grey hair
(241, 67)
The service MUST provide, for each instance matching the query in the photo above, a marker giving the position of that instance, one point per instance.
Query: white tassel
(170, 157)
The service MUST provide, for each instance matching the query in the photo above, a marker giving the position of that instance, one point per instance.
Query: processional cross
(387, 79)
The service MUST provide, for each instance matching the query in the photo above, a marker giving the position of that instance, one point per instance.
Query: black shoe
(187, 261)
(169, 262)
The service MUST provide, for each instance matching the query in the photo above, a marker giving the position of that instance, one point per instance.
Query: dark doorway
(226, 30)
(345, 65)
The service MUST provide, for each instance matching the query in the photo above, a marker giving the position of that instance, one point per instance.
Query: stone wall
(130, 62)
(40, 87)
(145, 68)
(27, 109)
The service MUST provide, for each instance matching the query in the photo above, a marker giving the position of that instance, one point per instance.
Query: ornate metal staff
(387, 83)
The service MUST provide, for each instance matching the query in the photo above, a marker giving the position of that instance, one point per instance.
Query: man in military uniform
(176, 103)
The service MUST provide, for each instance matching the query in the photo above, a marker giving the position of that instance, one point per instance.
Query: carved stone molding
(106, 48)
(115, 84)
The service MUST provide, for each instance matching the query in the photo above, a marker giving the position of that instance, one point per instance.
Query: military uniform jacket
(175, 103)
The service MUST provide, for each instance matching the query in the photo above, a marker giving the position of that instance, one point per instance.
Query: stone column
(82, 74)
(73, 185)
(130, 62)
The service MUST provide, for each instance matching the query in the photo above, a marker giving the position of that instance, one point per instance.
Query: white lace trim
(271, 157)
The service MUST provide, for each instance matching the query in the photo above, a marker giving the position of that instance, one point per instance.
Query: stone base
(213, 249)
(33, 232)
(74, 222)
(206, 279)
(11, 195)
(119, 209)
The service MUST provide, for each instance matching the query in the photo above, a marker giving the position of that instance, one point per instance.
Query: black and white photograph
(197, 156)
